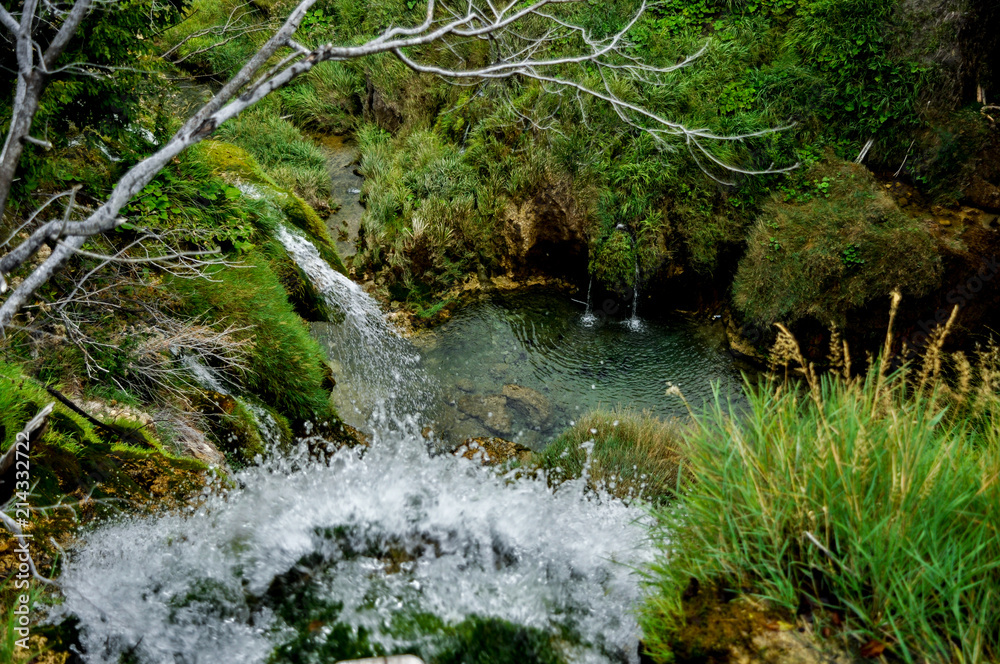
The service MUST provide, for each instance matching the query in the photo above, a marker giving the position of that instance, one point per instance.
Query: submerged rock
(491, 451)
(465, 385)
(491, 411)
(531, 403)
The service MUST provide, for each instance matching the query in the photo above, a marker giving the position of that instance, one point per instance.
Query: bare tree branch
(33, 425)
(520, 36)
(31, 81)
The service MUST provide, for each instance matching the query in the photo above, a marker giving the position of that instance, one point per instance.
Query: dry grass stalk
(786, 349)
(930, 369)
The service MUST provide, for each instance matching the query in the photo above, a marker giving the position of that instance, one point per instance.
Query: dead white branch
(33, 425)
(520, 36)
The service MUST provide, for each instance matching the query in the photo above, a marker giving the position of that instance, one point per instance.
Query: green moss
(479, 640)
(73, 454)
(304, 217)
(832, 244)
(308, 302)
(238, 165)
(287, 368)
(234, 163)
(291, 159)
(614, 260)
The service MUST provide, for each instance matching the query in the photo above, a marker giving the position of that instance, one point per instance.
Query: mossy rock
(232, 426)
(71, 455)
(234, 163)
(305, 218)
(309, 303)
(287, 368)
(833, 243)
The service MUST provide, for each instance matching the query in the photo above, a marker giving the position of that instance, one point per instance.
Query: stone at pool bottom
(491, 411)
(532, 403)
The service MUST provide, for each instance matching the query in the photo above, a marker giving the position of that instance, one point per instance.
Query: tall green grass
(869, 498)
(10, 651)
(630, 454)
(292, 160)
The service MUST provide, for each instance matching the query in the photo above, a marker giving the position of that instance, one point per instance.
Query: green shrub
(424, 221)
(328, 98)
(834, 243)
(188, 199)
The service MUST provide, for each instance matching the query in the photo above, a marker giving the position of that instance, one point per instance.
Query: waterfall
(633, 323)
(378, 370)
(389, 546)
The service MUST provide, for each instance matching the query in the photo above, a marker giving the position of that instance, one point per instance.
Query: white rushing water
(363, 345)
(190, 588)
(301, 553)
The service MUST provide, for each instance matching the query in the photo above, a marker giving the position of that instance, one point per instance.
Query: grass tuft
(632, 455)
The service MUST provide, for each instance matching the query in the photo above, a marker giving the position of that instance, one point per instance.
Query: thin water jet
(588, 315)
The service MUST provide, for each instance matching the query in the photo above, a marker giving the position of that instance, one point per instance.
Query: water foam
(188, 588)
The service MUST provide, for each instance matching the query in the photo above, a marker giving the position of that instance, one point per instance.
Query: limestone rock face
(531, 403)
(491, 411)
(384, 112)
(744, 342)
(547, 231)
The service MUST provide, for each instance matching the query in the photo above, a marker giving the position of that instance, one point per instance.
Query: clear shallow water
(540, 341)
(522, 366)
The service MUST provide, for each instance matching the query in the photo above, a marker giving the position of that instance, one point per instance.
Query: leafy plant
(852, 256)
(189, 197)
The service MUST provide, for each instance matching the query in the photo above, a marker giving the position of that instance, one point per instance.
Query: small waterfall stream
(310, 561)
(207, 378)
(363, 344)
